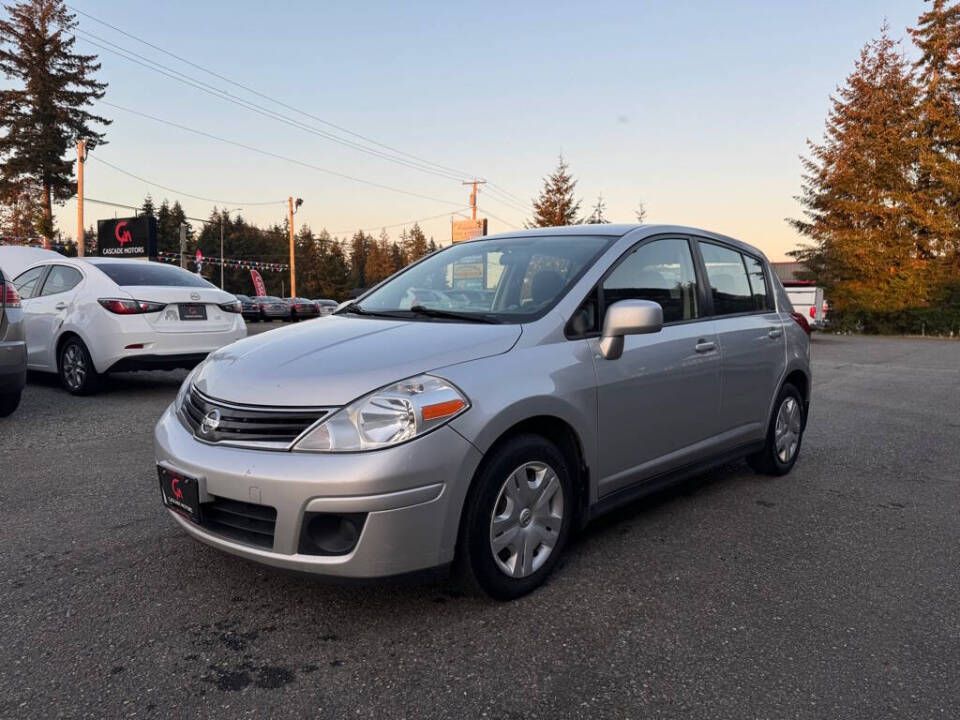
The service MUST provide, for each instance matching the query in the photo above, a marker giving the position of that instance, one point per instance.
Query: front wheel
(77, 373)
(9, 403)
(782, 446)
(517, 519)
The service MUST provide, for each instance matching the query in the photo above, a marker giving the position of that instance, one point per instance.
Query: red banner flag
(261, 289)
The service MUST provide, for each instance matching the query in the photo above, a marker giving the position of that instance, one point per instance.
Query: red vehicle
(301, 309)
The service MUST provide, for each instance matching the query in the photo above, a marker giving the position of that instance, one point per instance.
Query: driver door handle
(775, 333)
(705, 346)
(60, 306)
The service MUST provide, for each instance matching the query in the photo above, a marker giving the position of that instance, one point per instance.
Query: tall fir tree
(359, 252)
(858, 189)
(937, 208)
(415, 246)
(599, 214)
(556, 205)
(44, 113)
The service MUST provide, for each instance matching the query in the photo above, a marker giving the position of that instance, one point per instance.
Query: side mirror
(628, 317)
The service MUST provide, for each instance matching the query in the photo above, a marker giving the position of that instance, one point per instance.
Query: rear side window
(60, 280)
(728, 280)
(661, 271)
(148, 273)
(26, 283)
(758, 284)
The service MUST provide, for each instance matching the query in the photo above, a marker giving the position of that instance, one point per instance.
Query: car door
(660, 399)
(751, 337)
(28, 284)
(45, 313)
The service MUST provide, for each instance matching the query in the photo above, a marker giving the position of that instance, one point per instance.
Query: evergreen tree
(359, 250)
(641, 212)
(148, 208)
(598, 216)
(858, 189)
(432, 246)
(380, 260)
(556, 205)
(20, 211)
(937, 210)
(396, 257)
(416, 244)
(44, 113)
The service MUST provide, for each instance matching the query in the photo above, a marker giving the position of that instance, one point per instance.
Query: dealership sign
(462, 230)
(134, 237)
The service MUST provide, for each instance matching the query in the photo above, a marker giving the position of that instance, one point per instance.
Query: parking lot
(828, 593)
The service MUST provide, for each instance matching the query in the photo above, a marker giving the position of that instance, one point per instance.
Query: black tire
(263, 316)
(769, 460)
(476, 563)
(9, 403)
(77, 372)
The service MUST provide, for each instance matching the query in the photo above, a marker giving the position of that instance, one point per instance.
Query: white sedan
(85, 318)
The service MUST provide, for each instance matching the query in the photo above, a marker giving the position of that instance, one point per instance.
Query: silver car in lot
(561, 373)
(13, 347)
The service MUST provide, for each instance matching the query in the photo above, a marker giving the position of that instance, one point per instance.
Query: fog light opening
(330, 534)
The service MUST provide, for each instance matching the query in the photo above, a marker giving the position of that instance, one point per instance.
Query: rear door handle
(61, 306)
(705, 346)
(775, 333)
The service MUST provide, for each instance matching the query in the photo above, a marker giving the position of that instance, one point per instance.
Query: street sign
(462, 230)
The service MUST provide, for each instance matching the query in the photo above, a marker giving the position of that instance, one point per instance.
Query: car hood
(336, 359)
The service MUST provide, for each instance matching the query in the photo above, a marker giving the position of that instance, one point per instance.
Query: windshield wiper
(357, 310)
(450, 315)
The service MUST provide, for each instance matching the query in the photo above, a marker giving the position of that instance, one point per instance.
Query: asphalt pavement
(829, 593)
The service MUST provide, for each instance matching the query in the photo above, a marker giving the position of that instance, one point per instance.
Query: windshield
(506, 280)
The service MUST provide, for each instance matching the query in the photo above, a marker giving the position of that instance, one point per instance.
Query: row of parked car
(85, 318)
(268, 307)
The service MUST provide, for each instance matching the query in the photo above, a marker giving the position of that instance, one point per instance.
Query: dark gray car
(482, 404)
(13, 348)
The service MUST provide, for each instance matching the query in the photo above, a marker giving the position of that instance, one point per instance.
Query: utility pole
(183, 245)
(473, 195)
(221, 245)
(293, 207)
(81, 159)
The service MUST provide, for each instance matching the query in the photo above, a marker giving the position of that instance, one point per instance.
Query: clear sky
(698, 108)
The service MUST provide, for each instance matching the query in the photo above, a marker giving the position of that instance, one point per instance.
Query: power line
(276, 155)
(179, 192)
(248, 105)
(454, 171)
(400, 224)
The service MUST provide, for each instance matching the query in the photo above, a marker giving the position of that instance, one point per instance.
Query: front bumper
(412, 494)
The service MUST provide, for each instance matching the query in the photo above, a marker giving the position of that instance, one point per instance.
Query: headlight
(388, 416)
(182, 392)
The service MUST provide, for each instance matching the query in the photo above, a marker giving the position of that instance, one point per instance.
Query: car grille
(268, 428)
(241, 521)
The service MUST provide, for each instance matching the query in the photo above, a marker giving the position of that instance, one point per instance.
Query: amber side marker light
(442, 410)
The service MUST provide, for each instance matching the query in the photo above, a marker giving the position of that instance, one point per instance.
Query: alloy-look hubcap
(74, 366)
(786, 434)
(526, 519)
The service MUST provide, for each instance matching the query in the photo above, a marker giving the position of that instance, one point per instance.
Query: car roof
(14, 259)
(619, 230)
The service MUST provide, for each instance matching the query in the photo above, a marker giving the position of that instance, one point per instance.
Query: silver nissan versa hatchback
(484, 403)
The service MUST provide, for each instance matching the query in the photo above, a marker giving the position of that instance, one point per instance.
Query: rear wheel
(517, 519)
(77, 373)
(782, 446)
(8, 403)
